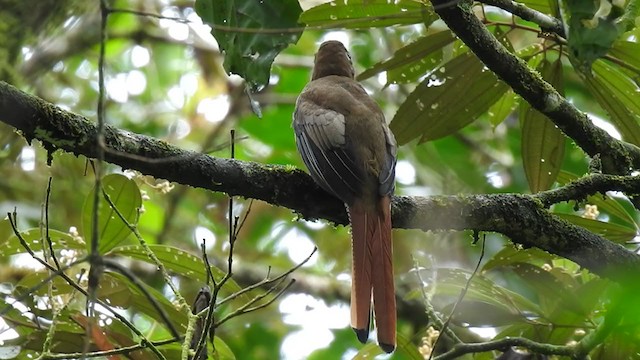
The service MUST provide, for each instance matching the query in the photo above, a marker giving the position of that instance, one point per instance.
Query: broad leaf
(125, 195)
(368, 13)
(414, 60)
(34, 239)
(627, 51)
(451, 281)
(247, 32)
(499, 111)
(614, 232)
(542, 141)
(510, 255)
(436, 108)
(176, 261)
(618, 95)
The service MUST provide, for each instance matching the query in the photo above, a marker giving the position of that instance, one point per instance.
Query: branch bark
(618, 157)
(523, 218)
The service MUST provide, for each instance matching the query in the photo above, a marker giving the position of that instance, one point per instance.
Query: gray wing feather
(320, 138)
(388, 171)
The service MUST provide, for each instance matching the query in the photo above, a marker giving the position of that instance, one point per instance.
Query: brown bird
(350, 152)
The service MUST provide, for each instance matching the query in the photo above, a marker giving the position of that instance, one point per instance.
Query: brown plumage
(350, 152)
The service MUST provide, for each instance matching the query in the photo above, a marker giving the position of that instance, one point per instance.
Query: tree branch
(523, 218)
(617, 156)
(547, 23)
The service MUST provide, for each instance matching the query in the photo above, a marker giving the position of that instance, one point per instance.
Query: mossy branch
(523, 218)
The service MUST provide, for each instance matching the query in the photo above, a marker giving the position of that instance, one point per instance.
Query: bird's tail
(372, 272)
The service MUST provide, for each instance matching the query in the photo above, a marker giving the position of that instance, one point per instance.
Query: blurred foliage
(462, 130)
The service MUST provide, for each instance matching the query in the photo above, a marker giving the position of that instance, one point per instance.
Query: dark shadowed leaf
(453, 96)
(368, 13)
(590, 36)
(542, 141)
(618, 95)
(125, 195)
(249, 52)
(412, 61)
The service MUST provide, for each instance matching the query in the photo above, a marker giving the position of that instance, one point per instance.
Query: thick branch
(617, 156)
(523, 218)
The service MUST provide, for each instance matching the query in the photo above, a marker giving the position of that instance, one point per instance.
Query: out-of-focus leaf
(368, 351)
(542, 141)
(116, 283)
(618, 95)
(250, 52)
(614, 232)
(540, 5)
(499, 111)
(437, 107)
(590, 35)
(604, 202)
(368, 13)
(478, 313)
(451, 281)
(412, 61)
(627, 51)
(549, 289)
(125, 195)
(223, 352)
(177, 261)
(33, 238)
(405, 349)
(510, 255)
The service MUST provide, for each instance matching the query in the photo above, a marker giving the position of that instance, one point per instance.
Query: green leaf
(125, 195)
(511, 254)
(356, 14)
(499, 111)
(542, 141)
(118, 290)
(614, 232)
(436, 108)
(405, 349)
(604, 202)
(177, 261)
(249, 52)
(540, 5)
(34, 240)
(548, 288)
(451, 281)
(618, 95)
(627, 51)
(222, 352)
(412, 61)
(590, 35)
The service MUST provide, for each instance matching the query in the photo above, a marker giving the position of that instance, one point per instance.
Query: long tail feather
(384, 299)
(373, 271)
(361, 285)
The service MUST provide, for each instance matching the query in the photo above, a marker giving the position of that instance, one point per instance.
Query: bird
(350, 152)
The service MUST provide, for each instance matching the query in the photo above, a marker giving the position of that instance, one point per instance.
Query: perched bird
(350, 152)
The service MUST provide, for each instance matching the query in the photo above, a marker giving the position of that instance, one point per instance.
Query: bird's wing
(388, 170)
(320, 137)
